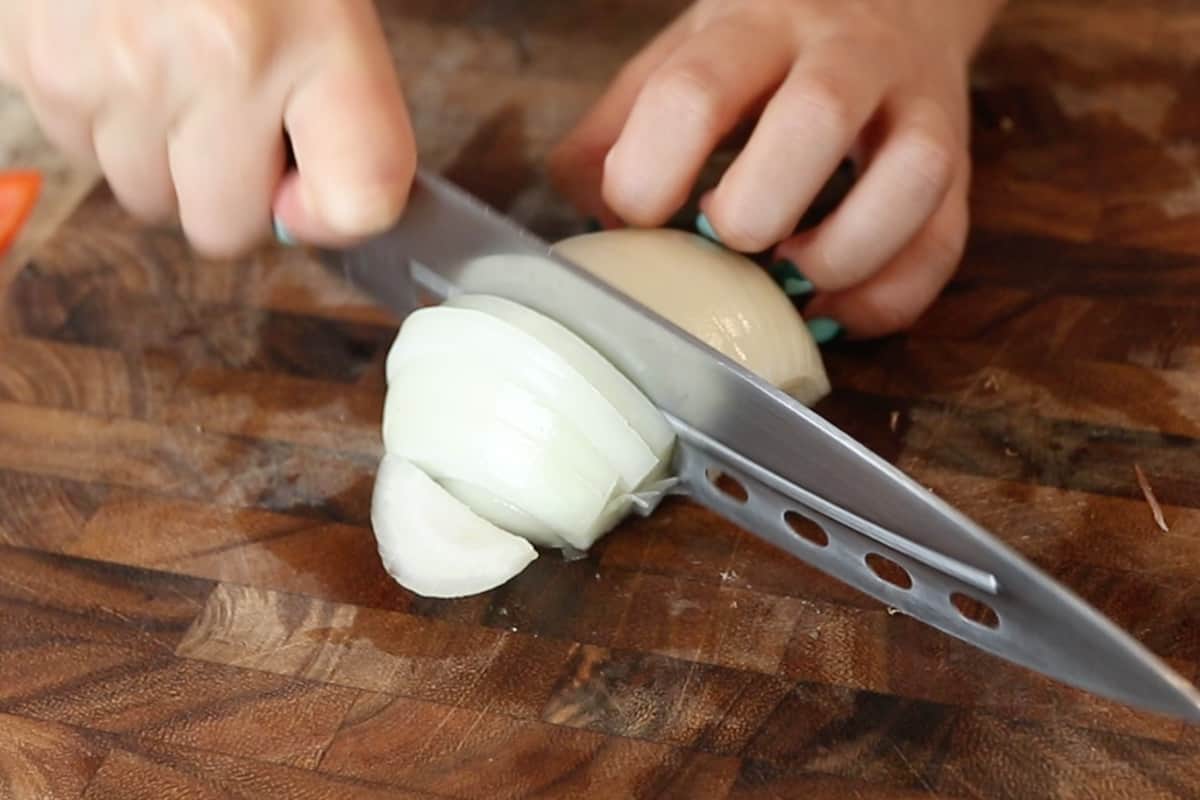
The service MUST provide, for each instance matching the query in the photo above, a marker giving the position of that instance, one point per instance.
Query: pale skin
(182, 106)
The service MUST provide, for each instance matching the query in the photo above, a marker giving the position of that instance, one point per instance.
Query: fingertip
(625, 188)
(304, 213)
(360, 209)
(824, 329)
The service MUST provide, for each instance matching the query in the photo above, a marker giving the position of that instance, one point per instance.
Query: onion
(503, 513)
(460, 336)
(598, 371)
(466, 421)
(503, 428)
(720, 297)
(433, 544)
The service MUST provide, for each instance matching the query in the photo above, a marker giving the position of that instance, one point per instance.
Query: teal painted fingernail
(797, 287)
(824, 329)
(791, 279)
(593, 225)
(705, 228)
(282, 235)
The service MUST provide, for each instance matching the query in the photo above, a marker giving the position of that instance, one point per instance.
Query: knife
(788, 462)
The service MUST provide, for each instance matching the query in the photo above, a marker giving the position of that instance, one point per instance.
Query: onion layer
(434, 545)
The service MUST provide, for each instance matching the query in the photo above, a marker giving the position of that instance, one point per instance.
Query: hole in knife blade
(889, 571)
(806, 529)
(728, 485)
(975, 611)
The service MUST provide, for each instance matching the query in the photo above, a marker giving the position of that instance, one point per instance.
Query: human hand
(183, 106)
(884, 81)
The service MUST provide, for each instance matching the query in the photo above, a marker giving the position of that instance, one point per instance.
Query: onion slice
(503, 513)
(462, 336)
(467, 421)
(620, 391)
(432, 544)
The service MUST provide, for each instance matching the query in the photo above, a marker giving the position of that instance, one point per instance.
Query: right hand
(183, 106)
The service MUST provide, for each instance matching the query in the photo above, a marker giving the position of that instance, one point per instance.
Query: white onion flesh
(621, 392)
(432, 544)
(503, 429)
(503, 514)
(462, 335)
(465, 421)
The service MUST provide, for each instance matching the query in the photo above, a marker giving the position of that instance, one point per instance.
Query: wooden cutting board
(190, 599)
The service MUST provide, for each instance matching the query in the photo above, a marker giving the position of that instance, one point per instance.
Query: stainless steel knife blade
(790, 460)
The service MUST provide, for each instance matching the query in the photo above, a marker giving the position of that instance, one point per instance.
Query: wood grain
(191, 601)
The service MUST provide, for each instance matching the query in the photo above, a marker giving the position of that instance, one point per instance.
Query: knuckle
(230, 36)
(930, 158)
(945, 249)
(134, 57)
(745, 232)
(47, 76)
(687, 92)
(820, 269)
(947, 239)
(820, 101)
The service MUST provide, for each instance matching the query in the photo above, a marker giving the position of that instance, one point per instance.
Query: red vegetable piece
(19, 191)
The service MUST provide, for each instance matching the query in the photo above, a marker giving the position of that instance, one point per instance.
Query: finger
(133, 157)
(686, 106)
(577, 163)
(54, 60)
(68, 131)
(806, 130)
(226, 158)
(353, 143)
(897, 295)
(903, 185)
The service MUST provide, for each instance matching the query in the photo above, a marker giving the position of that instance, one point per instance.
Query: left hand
(882, 80)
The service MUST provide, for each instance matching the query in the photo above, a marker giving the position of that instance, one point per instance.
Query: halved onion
(719, 296)
(432, 544)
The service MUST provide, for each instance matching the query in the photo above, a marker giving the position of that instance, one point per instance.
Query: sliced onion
(432, 544)
(503, 513)
(720, 297)
(500, 421)
(470, 422)
(465, 336)
(632, 404)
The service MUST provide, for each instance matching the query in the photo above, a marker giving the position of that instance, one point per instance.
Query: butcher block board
(191, 604)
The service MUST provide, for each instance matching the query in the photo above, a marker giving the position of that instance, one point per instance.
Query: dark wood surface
(190, 600)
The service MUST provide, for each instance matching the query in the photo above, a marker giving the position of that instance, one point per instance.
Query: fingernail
(705, 228)
(791, 279)
(282, 235)
(824, 329)
(593, 225)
